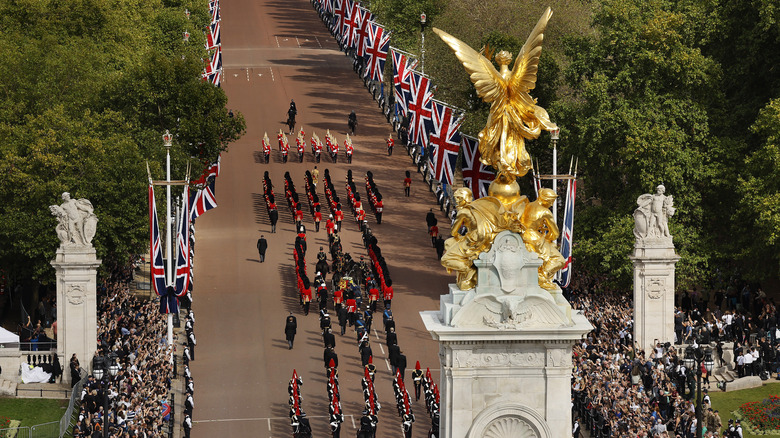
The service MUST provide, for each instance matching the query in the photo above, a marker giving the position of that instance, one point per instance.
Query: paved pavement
(276, 51)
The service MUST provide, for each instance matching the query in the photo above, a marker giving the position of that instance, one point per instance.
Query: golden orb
(505, 189)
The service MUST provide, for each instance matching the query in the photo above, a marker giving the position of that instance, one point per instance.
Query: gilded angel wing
(523, 78)
(487, 81)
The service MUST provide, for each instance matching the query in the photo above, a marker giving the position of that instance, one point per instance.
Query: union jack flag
(476, 175)
(419, 109)
(402, 78)
(327, 6)
(155, 247)
(213, 5)
(350, 22)
(338, 16)
(365, 17)
(214, 78)
(211, 170)
(183, 259)
(213, 37)
(567, 232)
(215, 62)
(203, 200)
(377, 45)
(446, 140)
(215, 16)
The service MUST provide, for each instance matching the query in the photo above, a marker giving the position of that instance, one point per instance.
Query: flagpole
(554, 134)
(167, 138)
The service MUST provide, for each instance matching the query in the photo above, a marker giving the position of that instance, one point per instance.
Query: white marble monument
(76, 267)
(505, 349)
(654, 260)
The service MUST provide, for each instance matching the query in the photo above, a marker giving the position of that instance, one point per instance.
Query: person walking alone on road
(407, 184)
(290, 328)
(352, 122)
(262, 247)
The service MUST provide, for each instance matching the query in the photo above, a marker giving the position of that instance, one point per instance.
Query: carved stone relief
(510, 427)
(75, 294)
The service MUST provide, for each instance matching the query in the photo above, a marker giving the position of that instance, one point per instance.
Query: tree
(637, 116)
(758, 215)
(95, 83)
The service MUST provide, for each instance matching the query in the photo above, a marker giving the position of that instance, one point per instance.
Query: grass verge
(32, 411)
(727, 402)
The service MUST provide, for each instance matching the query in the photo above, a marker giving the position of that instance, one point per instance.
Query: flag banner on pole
(351, 11)
(365, 17)
(402, 78)
(168, 301)
(213, 36)
(446, 139)
(567, 232)
(213, 5)
(420, 108)
(338, 16)
(203, 200)
(155, 247)
(211, 170)
(476, 175)
(215, 15)
(215, 78)
(376, 46)
(327, 5)
(183, 246)
(215, 62)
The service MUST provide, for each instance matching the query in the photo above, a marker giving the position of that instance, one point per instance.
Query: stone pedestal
(76, 268)
(505, 383)
(653, 293)
(505, 350)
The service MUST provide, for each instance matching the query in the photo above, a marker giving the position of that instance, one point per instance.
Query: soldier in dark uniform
(273, 216)
(343, 317)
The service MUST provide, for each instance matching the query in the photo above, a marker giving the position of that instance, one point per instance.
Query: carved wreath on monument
(76, 221)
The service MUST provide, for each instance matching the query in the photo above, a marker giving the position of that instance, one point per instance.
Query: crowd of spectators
(131, 332)
(619, 390)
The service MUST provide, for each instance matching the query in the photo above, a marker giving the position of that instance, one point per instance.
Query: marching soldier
(417, 378)
(266, 148)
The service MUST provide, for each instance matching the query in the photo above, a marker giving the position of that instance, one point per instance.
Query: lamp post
(167, 142)
(695, 357)
(422, 44)
(555, 134)
(101, 373)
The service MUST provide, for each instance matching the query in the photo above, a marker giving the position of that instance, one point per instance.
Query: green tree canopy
(91, 87)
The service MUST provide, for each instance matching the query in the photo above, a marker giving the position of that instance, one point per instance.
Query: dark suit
(392, 339)
(401, 364)
(290, 328)
(262, 247)
(329, 339)
(273, 215)
(393, 351)
(331, 354)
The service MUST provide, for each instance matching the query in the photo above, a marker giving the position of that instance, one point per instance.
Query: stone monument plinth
(654, 261)
(505, 349)
(76, 266)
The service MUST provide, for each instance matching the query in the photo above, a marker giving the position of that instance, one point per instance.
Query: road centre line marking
(298, 41)
(277, 41)
(272, 74)
(318, 41)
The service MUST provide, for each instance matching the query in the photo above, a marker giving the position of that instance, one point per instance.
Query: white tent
(7, 337)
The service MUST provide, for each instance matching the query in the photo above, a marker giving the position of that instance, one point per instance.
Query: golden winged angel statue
(514, 115)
